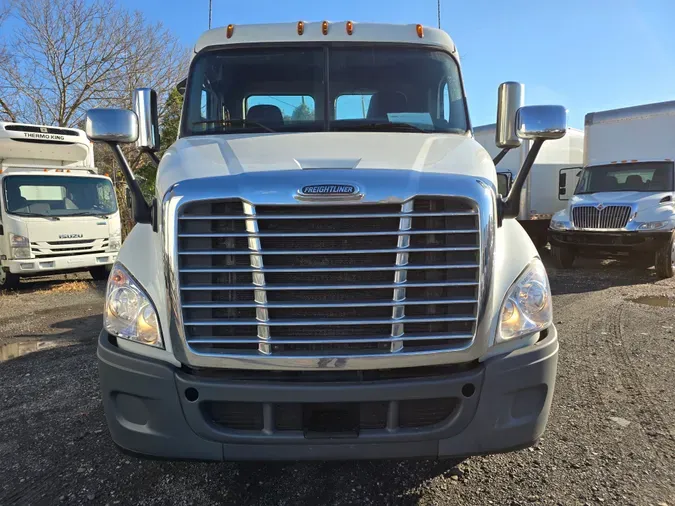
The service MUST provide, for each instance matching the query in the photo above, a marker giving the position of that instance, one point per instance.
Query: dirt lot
(610, 439)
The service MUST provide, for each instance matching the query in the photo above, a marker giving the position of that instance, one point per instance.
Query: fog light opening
(191, 394)
(468, 390)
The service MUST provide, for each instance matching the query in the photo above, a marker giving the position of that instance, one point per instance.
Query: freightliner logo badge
(329, 190)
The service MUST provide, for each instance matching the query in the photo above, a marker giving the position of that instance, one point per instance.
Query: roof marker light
(230, 31)
(350, 27)
(420, 31)
(301, 27)
(324, 27)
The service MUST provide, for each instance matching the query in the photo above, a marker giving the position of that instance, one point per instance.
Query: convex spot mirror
(111, 125)
(541, 122)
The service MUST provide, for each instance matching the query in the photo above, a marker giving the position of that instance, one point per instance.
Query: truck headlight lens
(114, 243)
(18, 241)
(20, 246)
(653, 225)
(129, 312)
(527, 307)
(558, 225)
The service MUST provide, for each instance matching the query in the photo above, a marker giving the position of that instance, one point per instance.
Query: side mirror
(145, 107)
(510, 98)
(541, 122)
(538, 123)
(111, 125)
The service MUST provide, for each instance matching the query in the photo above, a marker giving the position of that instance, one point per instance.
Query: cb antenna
(439, 13)
(211, 4)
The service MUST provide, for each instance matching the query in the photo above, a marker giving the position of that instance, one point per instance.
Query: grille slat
(607, 217)
(330, 280)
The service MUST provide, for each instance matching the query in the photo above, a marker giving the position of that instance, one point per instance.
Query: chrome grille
(329, 279)
(609, 217)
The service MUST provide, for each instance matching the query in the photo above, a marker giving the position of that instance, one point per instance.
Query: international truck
(326, 270)
(551, 181)
(623, 203)
(57, 214)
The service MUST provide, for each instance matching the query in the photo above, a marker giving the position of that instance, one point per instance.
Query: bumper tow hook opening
(191, 394)
(468, 390)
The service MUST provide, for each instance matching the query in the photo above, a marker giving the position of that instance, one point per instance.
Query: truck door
(567, 182)
(503, 183)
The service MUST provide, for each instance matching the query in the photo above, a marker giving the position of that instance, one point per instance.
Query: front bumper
(33, 266)
(585, 242)
(155, 409)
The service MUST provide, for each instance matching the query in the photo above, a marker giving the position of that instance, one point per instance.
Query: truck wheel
(562, 258)
(665, 260)
(8, 280)
(100, 272)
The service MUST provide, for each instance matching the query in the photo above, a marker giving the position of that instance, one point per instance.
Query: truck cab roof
(300, 32)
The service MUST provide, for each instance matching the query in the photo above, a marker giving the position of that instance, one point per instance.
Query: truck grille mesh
(608, 217)
(329, 279)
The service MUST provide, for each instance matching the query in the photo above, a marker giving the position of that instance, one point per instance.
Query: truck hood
(642, 200)
(229, 155)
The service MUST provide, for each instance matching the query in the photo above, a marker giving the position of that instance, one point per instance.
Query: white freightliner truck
(551, 180)
(337, 283)
(623, 203)
(57, 214)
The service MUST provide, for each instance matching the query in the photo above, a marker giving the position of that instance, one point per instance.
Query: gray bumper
(148, 410)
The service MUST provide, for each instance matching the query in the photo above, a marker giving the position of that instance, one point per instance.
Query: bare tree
(72, 55)
(6, 93)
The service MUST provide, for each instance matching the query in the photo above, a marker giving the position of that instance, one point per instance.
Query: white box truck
(57, 214)
(623, 203)
(326, 270)
(551, 180)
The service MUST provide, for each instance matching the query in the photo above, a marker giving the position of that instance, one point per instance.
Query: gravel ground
(610, 438)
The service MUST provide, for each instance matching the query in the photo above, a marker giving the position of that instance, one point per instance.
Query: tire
(665, 260)
(563, 258)
(100, 272)
(8, 281)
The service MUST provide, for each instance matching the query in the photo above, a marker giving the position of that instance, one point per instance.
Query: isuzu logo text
(70, 236)
(329, 189)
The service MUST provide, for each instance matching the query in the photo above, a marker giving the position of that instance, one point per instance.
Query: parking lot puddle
(655, 301)
(13, 350)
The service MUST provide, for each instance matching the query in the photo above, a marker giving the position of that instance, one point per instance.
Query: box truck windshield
(38, 195)
(627, 177)
(317, 88)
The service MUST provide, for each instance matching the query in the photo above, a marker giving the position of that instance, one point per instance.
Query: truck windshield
(324, 88)
(627, 177)
(58, 196)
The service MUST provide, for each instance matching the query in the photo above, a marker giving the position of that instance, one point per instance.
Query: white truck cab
(326, 270)
(623, 203)
(57, 214)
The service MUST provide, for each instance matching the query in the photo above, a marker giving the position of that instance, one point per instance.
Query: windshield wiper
(87, 213)
(229, 122)
(384, 126)
(35, 215)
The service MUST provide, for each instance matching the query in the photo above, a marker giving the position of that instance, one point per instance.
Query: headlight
(20, 246)
(18, 241)
(129, 313)
(527, 307)
(558, 225)
(653, 225)
(114, 243)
